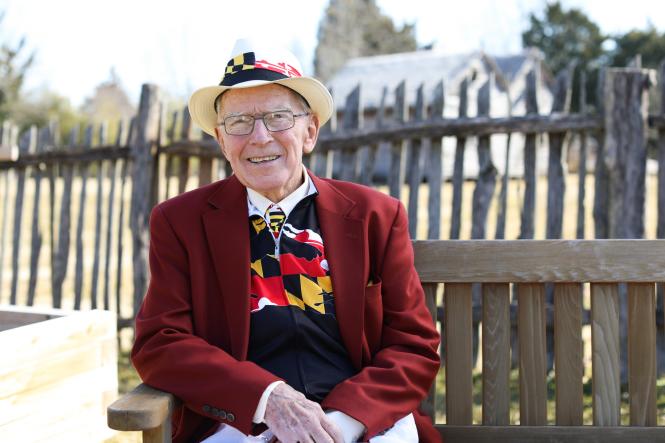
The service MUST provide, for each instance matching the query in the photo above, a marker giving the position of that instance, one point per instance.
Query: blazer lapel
(228, 242)
(344, 239)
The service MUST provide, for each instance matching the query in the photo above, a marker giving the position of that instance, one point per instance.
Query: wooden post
(113, 172)
(415, 166)
(556, 185)
(23, 146)
(581, 169)
(60, 259)
(601, 178)
(529, 207)
(435, 168)
(141, 153)
(625, 149)
(185, 134)
(500, 232)
(38, 142)
(170, 136)
(661, 158)
(458, 168)
(7, 140)
(78, 266)
(484, 190)
(352, 120)
(398, 149)
(103, 130)
(124, 171)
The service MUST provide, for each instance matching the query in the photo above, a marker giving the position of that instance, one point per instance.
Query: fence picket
(484, 190)
(581, 170)
(144, 137)
(416, 155)
(458, 168)
(38, 141)
(398, 149)
(529, 205)
(435, 168)
(23, 147)
(103, 129)
(78, 266)
(556, 185)
(626, 119)
(661, 158)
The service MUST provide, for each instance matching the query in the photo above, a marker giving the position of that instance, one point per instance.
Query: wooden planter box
(58, 373)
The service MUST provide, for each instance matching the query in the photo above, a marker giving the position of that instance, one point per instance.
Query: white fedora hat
(254, 64)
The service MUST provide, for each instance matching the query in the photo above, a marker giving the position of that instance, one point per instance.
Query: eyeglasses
(275, 121)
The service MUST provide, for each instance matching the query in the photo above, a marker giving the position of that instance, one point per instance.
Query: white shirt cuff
(351, 428)
(260, 413)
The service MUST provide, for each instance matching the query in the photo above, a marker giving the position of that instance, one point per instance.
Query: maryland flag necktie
(276, 217)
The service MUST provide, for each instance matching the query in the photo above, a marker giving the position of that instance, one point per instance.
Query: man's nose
(260, 134)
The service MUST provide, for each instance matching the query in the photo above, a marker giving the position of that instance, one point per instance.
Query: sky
(182, 46)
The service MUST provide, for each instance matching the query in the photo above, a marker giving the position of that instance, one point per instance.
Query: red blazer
(192, 330)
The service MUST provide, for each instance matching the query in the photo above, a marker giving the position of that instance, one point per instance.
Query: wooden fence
(71, 212)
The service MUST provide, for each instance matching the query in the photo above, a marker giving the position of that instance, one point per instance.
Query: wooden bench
(525, 266)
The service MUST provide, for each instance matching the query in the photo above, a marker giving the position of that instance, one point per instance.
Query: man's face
(268, 162)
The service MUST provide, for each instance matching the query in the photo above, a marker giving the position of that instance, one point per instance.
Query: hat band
(251, 74)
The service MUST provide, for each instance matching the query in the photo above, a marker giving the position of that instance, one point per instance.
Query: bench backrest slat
(496, 354)
(642, 353)
(540, 260)
(606, 378)
(568, 353)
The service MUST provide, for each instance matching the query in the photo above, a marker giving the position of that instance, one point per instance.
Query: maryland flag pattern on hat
(242, 62)
(300, 276)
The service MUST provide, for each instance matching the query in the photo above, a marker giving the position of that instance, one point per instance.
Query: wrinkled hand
(294, 419)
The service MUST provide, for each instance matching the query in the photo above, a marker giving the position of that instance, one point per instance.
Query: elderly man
(281, 304)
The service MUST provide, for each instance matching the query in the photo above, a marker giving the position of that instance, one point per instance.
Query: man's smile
(263, 159)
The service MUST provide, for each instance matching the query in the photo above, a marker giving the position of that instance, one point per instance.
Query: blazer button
(222, 415)
(214, 411)
(206, 408)
(230, 417)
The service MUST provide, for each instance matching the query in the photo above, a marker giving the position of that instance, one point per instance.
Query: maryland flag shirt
(293, 330)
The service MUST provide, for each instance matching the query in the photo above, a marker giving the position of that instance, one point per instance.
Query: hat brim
(202, 101)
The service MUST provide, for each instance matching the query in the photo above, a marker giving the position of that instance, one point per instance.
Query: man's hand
(294, 419)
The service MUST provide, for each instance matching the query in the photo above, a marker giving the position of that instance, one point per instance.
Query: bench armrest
(142, 409)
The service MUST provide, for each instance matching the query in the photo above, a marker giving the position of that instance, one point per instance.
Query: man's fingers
(332, 430)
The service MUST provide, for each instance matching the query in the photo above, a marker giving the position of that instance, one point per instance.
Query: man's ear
(220, 140)
(312, 134)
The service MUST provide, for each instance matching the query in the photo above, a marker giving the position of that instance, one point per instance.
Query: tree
(649, 44)
(354, 28)
(567, 36)
(43, 107)
(109, 102)
(13, 68)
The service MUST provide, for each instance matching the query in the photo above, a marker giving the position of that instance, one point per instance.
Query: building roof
(426, 67)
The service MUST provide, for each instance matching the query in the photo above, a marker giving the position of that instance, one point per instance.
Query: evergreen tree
(354, 28)
(567, 36)
(14, 65)
(649, 44)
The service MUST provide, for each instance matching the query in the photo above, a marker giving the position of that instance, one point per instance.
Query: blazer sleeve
(169, 355)
(406, 362)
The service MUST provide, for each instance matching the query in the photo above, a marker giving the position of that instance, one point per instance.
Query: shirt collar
(258, 204)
